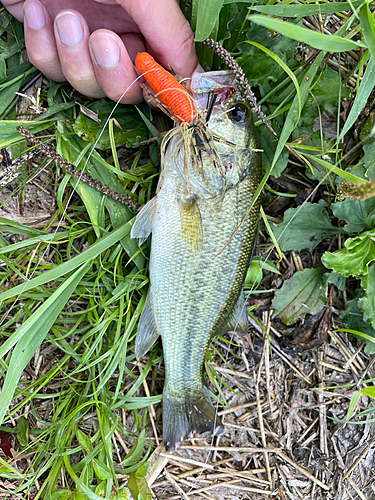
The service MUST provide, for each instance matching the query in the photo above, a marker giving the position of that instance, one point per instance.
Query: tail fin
(183, 415)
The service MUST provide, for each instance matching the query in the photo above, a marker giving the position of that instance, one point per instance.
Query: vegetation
(73, 287)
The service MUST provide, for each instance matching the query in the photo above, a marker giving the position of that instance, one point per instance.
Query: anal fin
(239, 321)
(147, 332)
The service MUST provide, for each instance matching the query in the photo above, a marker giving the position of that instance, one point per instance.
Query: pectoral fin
(143, 224)
(191, 224)
(239, 321)
(147, 333)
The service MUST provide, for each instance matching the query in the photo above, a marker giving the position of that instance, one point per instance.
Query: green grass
(71, 294)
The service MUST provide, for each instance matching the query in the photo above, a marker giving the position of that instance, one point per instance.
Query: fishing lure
(166, 88)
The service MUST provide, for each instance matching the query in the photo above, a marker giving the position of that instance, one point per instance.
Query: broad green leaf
(281, 63)
(53, 110)
(142, 471)
(87, 474)
(367, 134)
(258, 68)
(138, 486)
(362, 95)
(102, 471)
(254, 275)
(207, 16)
(301, 10)
(326, 92)
(352, 318)
(368, 161)
(123, 494)
(304, 227)
(334, 279)
(33, 331)
(327, 43)
(22, 431)
(353, 404)
(302, 294)
(136, 451)
(367, 20)
(368, 391)
(359, 214)
(354, 259)
(132, 127)
(367, 302)
(100, 489)
(83, 441)
(151, 128)
(94, 203)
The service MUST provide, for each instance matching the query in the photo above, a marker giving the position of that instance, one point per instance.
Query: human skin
(93, 43)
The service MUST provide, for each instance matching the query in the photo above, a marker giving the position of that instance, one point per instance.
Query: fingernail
(69, 28)
(105, 50)
(34, 15)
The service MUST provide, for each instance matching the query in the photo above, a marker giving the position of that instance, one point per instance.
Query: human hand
(93, 43)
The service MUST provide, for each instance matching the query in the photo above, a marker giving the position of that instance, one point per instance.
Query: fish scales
(195, 288)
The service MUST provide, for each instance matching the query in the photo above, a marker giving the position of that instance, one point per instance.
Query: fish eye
(238, 113)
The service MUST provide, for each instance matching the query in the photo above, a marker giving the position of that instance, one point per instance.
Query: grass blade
(33, 332)
(97, 248)
(286, 68)
(207, 17)
(368, 29)
(328, 43)
(364, 91)
(306, 10)
(336, 170)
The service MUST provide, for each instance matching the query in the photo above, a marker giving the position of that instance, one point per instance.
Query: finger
(40, 40)
(72, 36)
(113, 65)
(168, 34)
(14, 7)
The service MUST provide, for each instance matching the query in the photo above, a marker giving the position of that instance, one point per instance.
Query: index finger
(167, 33)
(14, 7)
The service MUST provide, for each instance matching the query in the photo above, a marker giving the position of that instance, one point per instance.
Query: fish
(203, 237)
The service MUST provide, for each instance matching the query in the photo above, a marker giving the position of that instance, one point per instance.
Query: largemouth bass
(201, 248)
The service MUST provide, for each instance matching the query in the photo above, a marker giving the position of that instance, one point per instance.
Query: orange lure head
(166, 88)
